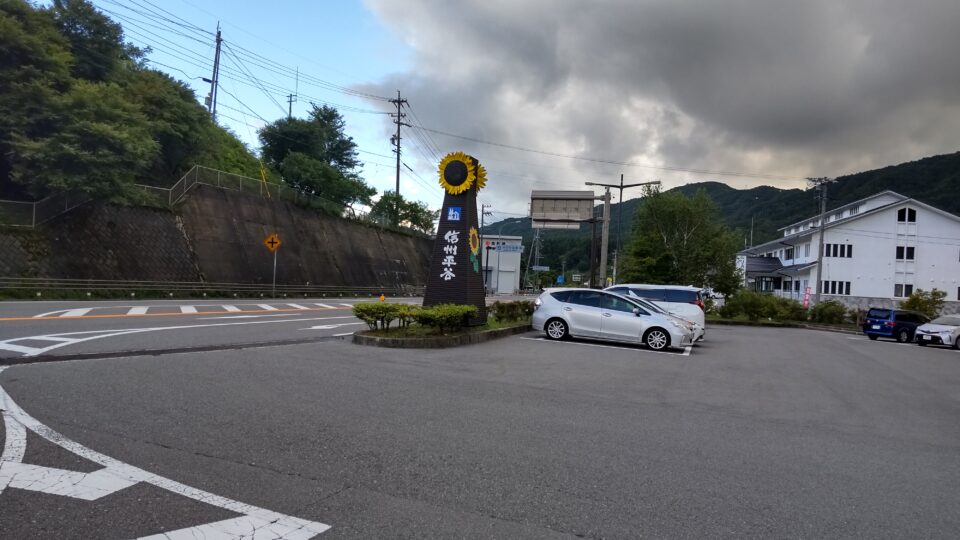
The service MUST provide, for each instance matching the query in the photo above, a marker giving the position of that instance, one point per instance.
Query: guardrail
(180, 288)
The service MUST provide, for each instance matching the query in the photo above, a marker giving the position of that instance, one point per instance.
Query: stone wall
(214, 236)
(863, 302)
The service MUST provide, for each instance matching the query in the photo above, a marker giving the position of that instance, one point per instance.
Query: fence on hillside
(31, 214)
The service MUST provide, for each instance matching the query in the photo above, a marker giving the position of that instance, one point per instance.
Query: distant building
(877, 251)
(501, 258)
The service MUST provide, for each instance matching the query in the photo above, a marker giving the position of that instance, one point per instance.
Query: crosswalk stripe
(139, 310)
(76, 312)
(231, 309)
(188, 309)
(324, 306)
(266, 307)
(348, 305)
(298, 306)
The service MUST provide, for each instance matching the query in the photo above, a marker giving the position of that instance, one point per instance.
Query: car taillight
(536, 304)
(889, 323)
(699, 303)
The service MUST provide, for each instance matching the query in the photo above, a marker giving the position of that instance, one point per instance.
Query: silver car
(944, 330)
(594, 314)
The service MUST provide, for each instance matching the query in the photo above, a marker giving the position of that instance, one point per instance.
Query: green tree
(315, 156)
(392, 208)
(95, 41)
(680, 239)
(930, 303)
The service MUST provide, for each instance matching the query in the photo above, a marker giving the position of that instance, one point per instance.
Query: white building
(877, 251)
(501, 261)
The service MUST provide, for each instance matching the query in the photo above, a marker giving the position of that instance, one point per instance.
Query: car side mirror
(636, 311)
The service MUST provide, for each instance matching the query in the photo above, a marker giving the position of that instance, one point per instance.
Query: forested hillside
(79, 109)
(934, 180)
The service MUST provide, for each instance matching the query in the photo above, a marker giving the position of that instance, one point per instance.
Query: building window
(836, 287)
(855, 210)
(788, 254)
(843, 250)
(847, 287)
(902, 290)
(836, 249)
(849, 251)
(906, 215)
(806, 250)
(905, 253)
(837, 216)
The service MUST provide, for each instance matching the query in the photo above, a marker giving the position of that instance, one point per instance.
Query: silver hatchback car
(594, 314)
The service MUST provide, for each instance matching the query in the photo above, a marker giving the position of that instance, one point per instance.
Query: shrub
(830, 312)
(377, 315)
(511, 311)
(406, 314)
(928, 303)
(751, 304)
(446, 316)
(789, 310)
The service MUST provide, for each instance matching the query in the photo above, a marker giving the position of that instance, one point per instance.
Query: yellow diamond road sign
(272, 242)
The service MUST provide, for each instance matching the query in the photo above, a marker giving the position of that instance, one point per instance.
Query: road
(755, 433)
(80, 329)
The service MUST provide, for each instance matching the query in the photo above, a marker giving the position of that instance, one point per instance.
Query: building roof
(790, 240)
(847, 206)
(763, 264)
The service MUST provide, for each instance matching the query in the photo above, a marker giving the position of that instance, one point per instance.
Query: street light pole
(621, 186)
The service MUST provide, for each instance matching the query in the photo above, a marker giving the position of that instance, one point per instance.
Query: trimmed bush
(445, 317)
(752, 305)
(377, 315)
(929, 303)
(790, 310)
(511, 311)
(829, 312)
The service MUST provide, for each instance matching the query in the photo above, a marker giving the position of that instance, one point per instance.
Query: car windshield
(947, 320)
(879, 314)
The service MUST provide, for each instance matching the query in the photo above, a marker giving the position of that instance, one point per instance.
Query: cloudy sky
(742, 92)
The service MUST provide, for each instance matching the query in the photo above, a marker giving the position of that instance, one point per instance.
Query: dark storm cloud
(781, 88)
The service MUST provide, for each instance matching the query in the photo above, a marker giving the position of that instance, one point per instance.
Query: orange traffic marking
(122, 315)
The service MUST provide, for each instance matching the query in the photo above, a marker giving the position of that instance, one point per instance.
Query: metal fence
(188, 288)
(31, 214)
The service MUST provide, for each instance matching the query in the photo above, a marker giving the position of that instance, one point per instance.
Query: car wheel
(556, 329)
(903, 336)
(657, 339)
(872, 337)
(956, 342)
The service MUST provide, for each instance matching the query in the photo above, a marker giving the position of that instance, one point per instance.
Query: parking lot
(755, 432)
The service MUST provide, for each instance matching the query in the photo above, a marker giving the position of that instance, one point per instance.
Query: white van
(679, 300)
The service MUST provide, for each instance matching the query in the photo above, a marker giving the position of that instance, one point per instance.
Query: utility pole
(214, 79)
(621, 186)
(605, 238)
(398, 120)
(821, 185)
(483, 213)
(291, 98)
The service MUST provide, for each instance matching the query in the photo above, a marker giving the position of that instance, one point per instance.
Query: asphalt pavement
(757, 432)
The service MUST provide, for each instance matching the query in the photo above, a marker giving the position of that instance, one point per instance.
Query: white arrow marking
(262, 523)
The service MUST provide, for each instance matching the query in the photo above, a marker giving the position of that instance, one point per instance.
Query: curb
(439, 342)
(767, 324)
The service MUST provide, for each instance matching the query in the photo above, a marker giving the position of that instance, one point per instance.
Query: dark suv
(893, 323)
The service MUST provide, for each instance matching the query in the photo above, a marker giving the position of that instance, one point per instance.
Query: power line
(609, 161)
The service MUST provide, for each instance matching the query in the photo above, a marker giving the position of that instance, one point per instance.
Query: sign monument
(455, 274)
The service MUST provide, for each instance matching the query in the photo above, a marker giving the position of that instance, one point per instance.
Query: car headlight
(677, 324)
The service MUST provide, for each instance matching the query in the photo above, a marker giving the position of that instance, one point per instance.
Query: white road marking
(348, 305)
(86, 486)
(139, 310)
(248, 316)
(261, 522)
(7, 345)
(298, 306)
(188, 309)
(331, 326)
(624, 347)
(324, 306)
(76, 312)
(232, 309)
(345, 334)
(266, 307)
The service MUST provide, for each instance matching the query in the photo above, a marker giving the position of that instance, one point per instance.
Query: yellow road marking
(124, 315)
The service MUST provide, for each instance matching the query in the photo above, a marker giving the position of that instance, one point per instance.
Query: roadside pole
(274, 274)
(273, 243)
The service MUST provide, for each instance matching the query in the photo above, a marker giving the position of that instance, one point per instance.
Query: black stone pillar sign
(455, 273)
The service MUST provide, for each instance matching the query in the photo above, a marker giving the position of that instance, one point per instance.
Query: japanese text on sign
(451, 238)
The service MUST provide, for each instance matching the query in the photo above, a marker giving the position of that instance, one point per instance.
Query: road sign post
(273, 244)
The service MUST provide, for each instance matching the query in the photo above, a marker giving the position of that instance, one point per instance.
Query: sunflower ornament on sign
(474, 249)
(459, 172)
